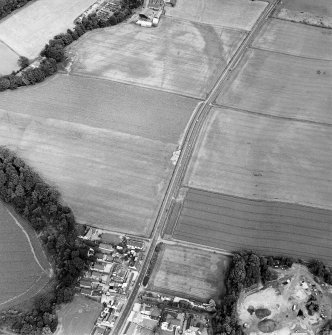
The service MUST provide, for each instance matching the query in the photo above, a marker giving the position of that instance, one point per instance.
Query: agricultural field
(23, 264)
(177, 56)
(283, 36)
(112, 172)
(8, 60)
(265, 82)
(30, 28)
(237, 14)
(312, 12)
(78, 317)
(264, 158)
(269, 227)
(175, 263)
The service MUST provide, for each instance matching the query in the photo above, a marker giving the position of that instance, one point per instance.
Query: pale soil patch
(28, 30)
(282, 85)
(110, 179)
(78, 317)
(239, 14)
(8, 59)
(19, 270)
(206, 269)
(263, 158)
(295, 39)
(177, 56)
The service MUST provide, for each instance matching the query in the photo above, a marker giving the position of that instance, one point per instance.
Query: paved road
(186, 152)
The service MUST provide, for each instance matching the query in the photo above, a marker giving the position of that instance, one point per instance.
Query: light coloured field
(177, 56)
(8, 61)
(130, 109)
(111, 177)
(295, 39)
(263, 158)
(29, 29)
(78, 317)
(239, 14)
(283, 85)
(269, 227)
(20, 276)
(206, 270)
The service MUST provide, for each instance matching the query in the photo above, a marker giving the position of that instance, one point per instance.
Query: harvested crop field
(238, 14)
(177, 56)
(78, 317)
(111, 178)
(265, 82)
(30, 28)
(21, 276)
(8, 60)
(175, 263)
(283, 36)
(233, 223)
(264, 158)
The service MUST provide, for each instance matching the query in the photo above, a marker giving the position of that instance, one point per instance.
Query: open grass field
(8, 61)
(281, 85)
(295, 39)
(233, 223)
(23, 264)
(78, 317)
(177, 56)
(315, 7)
(176, 263)
(263, 158)
(112, 173)
(29, 29)
(239, 14)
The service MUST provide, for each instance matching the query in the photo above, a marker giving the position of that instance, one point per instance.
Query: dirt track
(233, 223)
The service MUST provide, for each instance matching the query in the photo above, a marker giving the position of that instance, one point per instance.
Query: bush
(23, 62)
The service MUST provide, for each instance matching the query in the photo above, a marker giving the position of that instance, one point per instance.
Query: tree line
(8, 6)
(40, 204)
(54, 51)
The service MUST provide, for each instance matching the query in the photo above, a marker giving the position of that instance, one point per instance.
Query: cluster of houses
(104, 9)
(160, 314)
(112, 275)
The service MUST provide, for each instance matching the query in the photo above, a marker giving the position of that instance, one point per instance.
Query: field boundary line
(28, 238)
(124, 82)
(288, 54)
(299, 22)
(271, 116)
(9, 47)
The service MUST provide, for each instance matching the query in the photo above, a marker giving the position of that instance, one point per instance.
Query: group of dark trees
(245, 270)
(54, 51)
(8, 6)
(41, 206)
(321, 271)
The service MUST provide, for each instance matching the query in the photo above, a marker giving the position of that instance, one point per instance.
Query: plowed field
(234, 223)
(282, 85)
(177, 56)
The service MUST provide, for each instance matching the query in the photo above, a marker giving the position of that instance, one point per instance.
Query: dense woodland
(246, 270)
(54, 51)
(40, 205)
(8, 6)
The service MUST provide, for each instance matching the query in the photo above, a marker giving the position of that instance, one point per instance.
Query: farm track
(234, 223)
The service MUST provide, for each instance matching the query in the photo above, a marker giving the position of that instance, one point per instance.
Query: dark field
(233, 223)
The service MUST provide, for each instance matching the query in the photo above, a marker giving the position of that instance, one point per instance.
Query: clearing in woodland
(189, 272)
(27, 31)
(23, 264)
(238, 14)
(178, 56)
(281, 85)
(107, 151)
